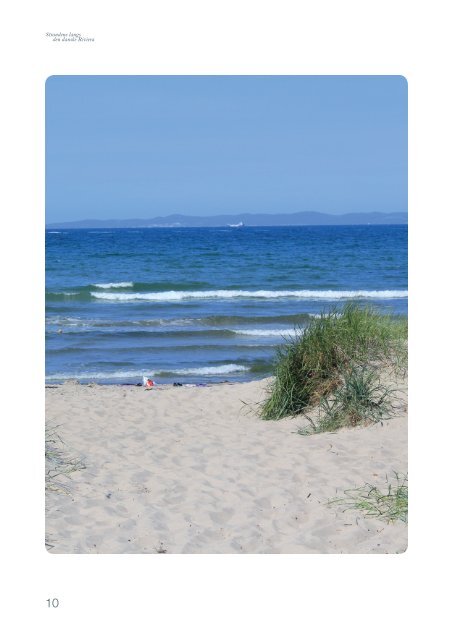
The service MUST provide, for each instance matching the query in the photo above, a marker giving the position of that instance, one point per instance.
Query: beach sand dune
(194, 470)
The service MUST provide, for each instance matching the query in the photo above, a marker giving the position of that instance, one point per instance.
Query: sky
(120, 147)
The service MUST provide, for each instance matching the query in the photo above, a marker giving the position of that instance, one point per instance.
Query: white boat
(236, 226)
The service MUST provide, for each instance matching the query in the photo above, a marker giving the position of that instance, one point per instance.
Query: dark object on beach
(177, 384)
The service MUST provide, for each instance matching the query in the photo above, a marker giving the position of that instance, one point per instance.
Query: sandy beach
(195, 470)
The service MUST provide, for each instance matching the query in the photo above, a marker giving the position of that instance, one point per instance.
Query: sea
(205, 305)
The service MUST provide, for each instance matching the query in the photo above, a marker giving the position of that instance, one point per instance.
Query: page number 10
(52, 603)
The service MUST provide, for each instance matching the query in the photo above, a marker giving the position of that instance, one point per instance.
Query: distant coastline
(303, 218)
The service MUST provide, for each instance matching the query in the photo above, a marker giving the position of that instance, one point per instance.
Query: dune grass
(337, 355)
(59, 465)
(361, 398)
(389, 505)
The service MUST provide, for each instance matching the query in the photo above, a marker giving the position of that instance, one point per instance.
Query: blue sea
(206, 304)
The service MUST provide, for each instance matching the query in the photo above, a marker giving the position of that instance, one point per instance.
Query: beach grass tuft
(390, 504)
(338, 355)
(361, 398)
(59, 465)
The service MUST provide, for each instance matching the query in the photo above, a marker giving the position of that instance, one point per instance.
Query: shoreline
(193, 469)
(163, 385)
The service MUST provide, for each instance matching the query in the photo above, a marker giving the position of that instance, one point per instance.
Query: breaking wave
(114, 285)
(128, 374)
(165, 296)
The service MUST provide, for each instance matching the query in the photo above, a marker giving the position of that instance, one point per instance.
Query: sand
(194, 470)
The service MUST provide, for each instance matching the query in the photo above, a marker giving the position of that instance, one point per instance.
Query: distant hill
(301, 218)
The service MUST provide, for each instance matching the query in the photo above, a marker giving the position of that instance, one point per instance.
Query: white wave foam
(110, 375)
(114, 285)
(98, 375)
(320, 315)
(98, 322)
(267, 332)
(169, 296)
(68, 322)
(208, 371)
(177, 322)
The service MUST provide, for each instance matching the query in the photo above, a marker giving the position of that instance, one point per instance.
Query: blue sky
(144, 146)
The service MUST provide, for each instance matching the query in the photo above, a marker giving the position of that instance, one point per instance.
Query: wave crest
(219, 370)
(267, 332)
(172, 296)
(114, 285)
